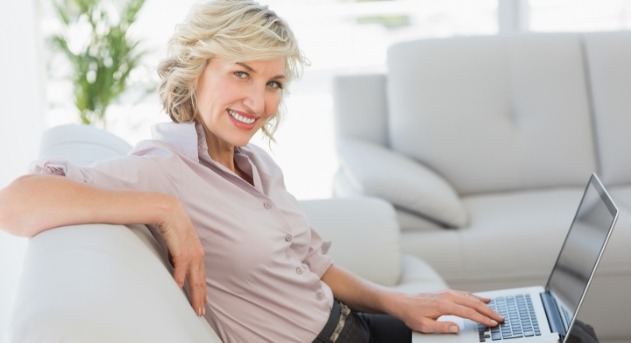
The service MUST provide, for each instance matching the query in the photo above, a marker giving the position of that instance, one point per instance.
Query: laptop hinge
(553, 314)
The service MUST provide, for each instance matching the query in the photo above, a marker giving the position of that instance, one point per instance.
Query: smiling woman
(234, 232)
(231, 40)
(235, 100)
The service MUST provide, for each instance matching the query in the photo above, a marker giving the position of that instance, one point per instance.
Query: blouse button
(319, 295)
(288, 238)
(299, 270)
(267, 205)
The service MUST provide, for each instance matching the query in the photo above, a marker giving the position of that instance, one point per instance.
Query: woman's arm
(418, 311)
(35, 203)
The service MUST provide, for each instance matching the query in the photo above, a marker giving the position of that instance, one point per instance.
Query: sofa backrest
(608, 56)
(361, 107)
(81, 144)
(499, 113)
(493, 113)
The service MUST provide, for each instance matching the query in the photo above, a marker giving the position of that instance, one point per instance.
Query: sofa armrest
(418, 276)
(364, 233)
(365, 239)
(373, 170)
(100, 283)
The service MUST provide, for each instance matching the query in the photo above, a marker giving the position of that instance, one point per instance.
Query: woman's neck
(220, 152)
(223, 153)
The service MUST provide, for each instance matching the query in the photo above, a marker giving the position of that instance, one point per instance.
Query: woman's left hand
(421, 311)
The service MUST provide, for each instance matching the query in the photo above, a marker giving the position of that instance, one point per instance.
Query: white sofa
(484, 146)
(111, 283)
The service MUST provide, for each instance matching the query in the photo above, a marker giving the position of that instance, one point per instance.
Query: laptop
(550, 312)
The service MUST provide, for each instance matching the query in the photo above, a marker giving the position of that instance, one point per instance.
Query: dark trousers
(364, 328)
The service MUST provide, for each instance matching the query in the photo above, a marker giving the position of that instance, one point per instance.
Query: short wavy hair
(238, 30)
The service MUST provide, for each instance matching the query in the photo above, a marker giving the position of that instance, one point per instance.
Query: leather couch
(111, 283)
(484, 146)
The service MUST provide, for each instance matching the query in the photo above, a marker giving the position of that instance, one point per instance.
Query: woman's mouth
(241, 120)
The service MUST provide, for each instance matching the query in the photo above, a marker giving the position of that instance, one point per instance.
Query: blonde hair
(238, 30)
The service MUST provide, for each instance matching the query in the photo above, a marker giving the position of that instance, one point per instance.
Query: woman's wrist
(394, 302)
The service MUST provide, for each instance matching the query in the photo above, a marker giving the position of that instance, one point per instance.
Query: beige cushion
(379, 172)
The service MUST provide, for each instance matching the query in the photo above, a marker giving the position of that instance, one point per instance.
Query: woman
(254, 267)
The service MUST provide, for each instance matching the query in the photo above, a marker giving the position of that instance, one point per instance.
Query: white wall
(21, 120)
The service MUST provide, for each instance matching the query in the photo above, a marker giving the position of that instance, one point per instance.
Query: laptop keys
(519, 319)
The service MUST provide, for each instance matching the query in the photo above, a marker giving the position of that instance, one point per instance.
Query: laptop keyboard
(519, 319)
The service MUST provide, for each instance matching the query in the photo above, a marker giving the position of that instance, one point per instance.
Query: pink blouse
(263, 260)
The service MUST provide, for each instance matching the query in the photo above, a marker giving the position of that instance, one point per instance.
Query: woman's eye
(241, 74)
(275, 84)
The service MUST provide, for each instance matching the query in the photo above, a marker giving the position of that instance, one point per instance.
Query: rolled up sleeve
(317, 259)
(131, 172)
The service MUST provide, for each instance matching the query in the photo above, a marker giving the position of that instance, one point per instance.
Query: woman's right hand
(35, 203)
(187, 254)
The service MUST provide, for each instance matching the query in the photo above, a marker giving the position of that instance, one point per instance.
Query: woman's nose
(255, 99)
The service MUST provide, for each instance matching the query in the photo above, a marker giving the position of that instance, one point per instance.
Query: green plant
(102, 62)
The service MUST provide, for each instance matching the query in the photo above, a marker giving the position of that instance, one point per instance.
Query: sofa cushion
(407, 184)
(493, 113)
(533, 223)
(608, 55)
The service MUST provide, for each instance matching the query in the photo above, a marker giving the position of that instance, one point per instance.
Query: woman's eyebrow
(244, 65)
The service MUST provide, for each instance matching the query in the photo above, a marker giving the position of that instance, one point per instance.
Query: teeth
(240, 118)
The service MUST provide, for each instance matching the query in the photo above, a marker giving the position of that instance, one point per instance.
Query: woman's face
(235, 100)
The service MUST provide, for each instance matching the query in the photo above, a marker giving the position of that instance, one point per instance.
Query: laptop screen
(582, 249)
